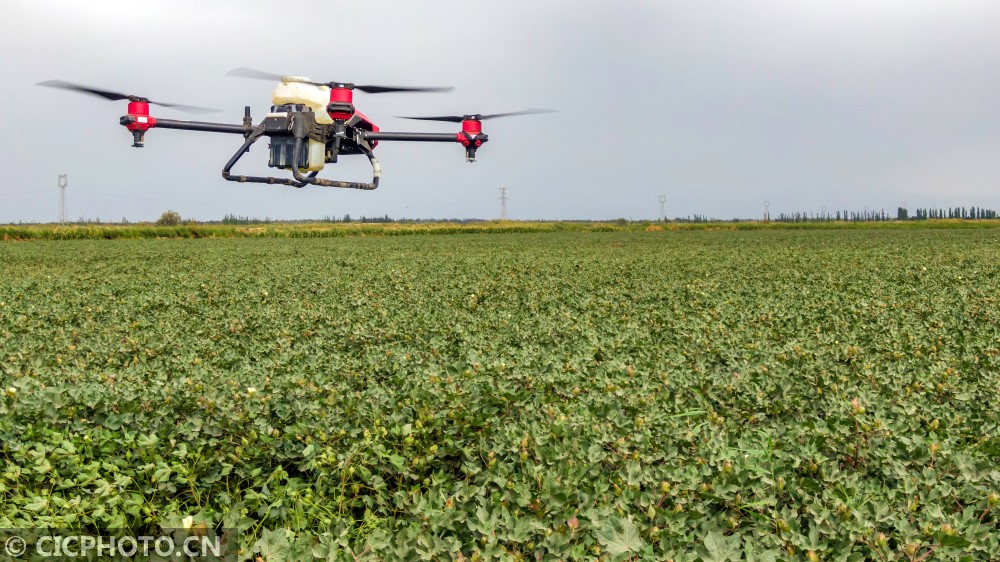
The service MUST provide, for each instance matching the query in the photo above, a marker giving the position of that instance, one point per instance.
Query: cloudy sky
(718, 104)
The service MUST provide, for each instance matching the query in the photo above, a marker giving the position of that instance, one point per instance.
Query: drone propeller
(478, 117)
(368, 88)
(115, 96)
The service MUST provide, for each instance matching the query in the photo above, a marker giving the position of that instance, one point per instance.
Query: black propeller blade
(369, 88)
(478, 117)
(259, 75)
(115, 96)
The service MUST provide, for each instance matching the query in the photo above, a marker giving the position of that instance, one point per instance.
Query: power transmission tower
(63, 182)
(503, 203)
(767, 213)
(663, 213)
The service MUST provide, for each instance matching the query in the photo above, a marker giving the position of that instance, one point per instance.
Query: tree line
(902, 214)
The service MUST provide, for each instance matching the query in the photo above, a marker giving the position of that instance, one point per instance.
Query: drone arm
(140, 122)
(470, 140)
(200, 126)
(418, 137)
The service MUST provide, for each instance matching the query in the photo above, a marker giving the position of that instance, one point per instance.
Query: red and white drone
(310, 125)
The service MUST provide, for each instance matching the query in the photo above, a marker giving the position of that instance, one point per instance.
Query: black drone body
(310, 125)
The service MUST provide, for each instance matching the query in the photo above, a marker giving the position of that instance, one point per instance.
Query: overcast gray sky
(717, 104)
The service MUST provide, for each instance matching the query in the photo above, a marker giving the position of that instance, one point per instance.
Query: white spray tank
(295, 90)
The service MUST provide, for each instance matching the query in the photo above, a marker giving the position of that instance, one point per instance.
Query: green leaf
(397, 461)
(36, 504)
(720, 548)
(953, 540)
(620, 536)
(273, 545)
(750, 551)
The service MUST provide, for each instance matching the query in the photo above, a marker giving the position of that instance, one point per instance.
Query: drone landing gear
(301, 180)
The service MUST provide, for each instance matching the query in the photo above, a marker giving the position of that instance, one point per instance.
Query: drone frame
(295, 125)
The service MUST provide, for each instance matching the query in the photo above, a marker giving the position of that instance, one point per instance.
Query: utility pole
(63, 182)
(503, 203)
(663, 213)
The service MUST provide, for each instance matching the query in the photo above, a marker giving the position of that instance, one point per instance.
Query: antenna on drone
(63, 182)
(663, 213)
(503, 203)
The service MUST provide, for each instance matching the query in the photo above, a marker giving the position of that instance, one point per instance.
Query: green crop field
(716, 395)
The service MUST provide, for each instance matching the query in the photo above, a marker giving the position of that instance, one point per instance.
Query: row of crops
(191, 229)
(769, 395)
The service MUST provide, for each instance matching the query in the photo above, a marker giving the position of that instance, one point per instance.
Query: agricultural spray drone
(310, 125)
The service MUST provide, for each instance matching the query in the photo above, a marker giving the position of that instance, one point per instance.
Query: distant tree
(169, 218)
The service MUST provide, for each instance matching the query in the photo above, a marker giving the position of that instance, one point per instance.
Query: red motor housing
(138, 121)
(471, 130)
(471, 136)
(472, 126)
(139, 112)
(341, 103)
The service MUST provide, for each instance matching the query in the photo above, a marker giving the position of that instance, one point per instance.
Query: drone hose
(376, 171)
